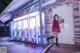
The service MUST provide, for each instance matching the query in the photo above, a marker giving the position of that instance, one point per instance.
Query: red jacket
(55, 24)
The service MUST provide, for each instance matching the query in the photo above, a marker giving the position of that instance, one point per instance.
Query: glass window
(25, 24)
(15, 25)
(32, 23)
(19, 25)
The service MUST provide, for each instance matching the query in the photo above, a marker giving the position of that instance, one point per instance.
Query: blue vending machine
(35, 35)
(32, 29)
(14, 30)
(25, 30)
(38, 34)
(38, 28)
(20, 27)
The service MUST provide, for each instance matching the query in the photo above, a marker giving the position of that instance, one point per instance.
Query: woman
(55, 29)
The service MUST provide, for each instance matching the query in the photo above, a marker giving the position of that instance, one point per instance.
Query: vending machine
(27, 28)
(33, 29)
(20, 34)
(38, 28)
(38, 34)
(14, 30)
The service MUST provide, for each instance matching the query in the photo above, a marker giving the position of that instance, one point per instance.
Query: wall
(48, 20)
(67, 31)
(48, 3)
(4, 31)
(76, 12)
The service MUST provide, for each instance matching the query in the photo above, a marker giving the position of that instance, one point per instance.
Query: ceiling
(7, 7)
(4, 4)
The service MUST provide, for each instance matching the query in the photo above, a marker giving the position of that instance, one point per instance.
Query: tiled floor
(22, 48)
(19, 47)
(64, 49)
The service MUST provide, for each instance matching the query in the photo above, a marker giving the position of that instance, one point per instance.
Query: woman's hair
(55, 15)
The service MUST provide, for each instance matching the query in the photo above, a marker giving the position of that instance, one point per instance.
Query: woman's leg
(56, 36)
(49, 38)
(57, 42)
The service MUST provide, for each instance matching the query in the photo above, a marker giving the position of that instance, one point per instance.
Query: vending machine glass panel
(32, 29)
(25, 29)
(15, 29)
(25, 24)
(20, 29)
